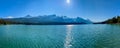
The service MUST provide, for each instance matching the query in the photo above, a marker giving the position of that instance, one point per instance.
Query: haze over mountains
(47, 19)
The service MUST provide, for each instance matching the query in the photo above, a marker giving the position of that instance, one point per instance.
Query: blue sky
(95, 10)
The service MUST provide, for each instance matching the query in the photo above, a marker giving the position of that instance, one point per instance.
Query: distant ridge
(44, 20)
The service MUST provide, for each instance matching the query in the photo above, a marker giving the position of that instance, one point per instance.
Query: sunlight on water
(68, 38)
(60, 36)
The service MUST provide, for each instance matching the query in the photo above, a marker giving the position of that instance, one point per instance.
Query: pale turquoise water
(60, 36)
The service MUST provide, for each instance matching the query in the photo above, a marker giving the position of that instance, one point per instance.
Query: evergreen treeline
(4, 22)
(113, 20)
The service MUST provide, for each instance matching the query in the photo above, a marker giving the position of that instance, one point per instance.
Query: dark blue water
(60, 36)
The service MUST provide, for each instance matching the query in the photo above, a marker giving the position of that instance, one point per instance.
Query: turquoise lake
(60, 36)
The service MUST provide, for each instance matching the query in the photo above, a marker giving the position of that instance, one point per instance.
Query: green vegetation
(5, 22)
(113, 20)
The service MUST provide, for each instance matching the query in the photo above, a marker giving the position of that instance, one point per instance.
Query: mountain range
(45, 20)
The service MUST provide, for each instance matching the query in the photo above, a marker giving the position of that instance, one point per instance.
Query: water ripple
(68, 38)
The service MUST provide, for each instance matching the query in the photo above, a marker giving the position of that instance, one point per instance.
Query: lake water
(60, 36)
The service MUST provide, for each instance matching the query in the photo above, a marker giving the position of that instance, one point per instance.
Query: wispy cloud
(9, 17)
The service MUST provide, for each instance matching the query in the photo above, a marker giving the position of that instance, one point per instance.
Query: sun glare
(68, 1)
